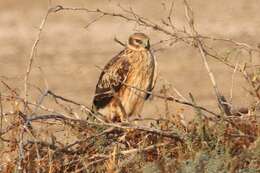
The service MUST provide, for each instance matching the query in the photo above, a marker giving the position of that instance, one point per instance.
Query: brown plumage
(119, 91)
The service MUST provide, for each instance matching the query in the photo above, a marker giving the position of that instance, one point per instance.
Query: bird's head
(139, 41)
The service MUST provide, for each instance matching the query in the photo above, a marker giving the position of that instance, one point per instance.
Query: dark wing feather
(111, 80)
(153, 76)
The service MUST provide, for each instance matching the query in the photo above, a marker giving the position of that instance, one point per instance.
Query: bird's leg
(122, 115)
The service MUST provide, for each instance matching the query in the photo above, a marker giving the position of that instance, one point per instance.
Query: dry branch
(169, 134)
(33, 52)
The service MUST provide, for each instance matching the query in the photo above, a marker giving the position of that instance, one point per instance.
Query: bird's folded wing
(153, 76)
(111, 80)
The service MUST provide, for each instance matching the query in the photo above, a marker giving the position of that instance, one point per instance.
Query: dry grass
(54, 142)
(42, 131)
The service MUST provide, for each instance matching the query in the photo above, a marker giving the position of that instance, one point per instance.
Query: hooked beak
(147, 46)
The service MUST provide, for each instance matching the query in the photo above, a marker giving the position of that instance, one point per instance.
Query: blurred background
(68, 53)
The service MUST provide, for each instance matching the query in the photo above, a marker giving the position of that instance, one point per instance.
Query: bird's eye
(139, 41)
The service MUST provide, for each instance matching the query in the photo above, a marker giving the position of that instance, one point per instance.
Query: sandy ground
(68, 53)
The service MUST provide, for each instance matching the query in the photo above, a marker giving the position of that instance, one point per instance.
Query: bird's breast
(141, 71)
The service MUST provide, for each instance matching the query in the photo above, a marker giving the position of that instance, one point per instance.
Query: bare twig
(21, 150)
(137, 18)
(13, 92)
(94, 20)
(86, 139)
(171, 98)
(170, 15)
(119, 42)
(102, 157)
(252, 85)
(236, 43)
(198, 43)
(184, 35)
(232, 83)
(33, 52)
(40, 100)
(97, 115)
(169, 134)
(137, 150)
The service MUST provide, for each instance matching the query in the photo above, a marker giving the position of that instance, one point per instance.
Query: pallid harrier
(122, 85)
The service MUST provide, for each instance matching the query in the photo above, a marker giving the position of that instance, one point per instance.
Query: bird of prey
(126, 80)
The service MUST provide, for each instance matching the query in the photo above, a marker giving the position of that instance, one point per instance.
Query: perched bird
(125, 80)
